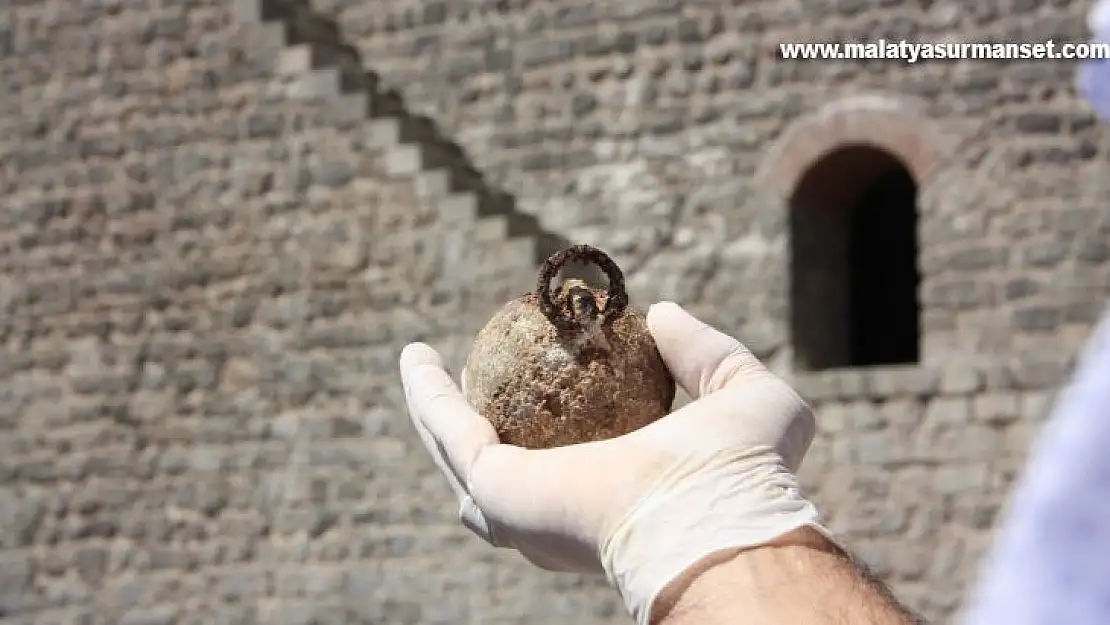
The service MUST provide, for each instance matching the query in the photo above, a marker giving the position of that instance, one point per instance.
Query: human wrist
(714, 575)
(801, 578)
(698, 510)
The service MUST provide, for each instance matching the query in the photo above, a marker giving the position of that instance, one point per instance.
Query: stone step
(433, 184)
(349, 109)
(403, 161)
(316, 84)
(304, 47)
(506, 258)
(384, 131)
(459, 208)
(491, 231)
(302, 59)
(248, 10)
(262, 40)
(294, 60)
(314, 41)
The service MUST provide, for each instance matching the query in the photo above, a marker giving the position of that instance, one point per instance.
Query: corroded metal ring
(616, 302)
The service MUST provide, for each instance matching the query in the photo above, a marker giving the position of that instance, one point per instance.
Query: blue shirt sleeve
(1093, 75)
(1093, 82)
(1051, 562)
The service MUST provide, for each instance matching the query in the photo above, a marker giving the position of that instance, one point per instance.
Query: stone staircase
(320, 65)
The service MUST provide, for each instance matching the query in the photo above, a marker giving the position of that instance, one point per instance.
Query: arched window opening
(854, 274)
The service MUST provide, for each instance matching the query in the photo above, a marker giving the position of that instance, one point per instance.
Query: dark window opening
(854, 275)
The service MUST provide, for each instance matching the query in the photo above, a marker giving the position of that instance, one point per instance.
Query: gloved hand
(644, 507)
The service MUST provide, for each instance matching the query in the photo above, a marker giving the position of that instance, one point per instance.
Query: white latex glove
(714, 475)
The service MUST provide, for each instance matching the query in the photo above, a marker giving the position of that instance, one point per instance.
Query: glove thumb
(701, 358)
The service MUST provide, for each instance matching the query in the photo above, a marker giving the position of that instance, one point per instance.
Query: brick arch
(891, 124)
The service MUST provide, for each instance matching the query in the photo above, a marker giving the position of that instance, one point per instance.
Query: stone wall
(223, 220)
(206, 281)
(667, 132)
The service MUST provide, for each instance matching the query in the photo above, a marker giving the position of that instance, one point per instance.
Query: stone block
(894, 381)
(998, 407)
(383, 132)
(404, 161)
(248, 10)
(318, 84)
(294, 61)
(434, 183)
(948, 411)
(349, 110)
(960, 378)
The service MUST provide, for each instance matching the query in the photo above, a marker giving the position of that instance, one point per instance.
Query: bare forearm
(804, 580)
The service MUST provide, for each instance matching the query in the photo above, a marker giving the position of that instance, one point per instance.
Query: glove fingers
(701, 358)
(449, 427)
(549, 500)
